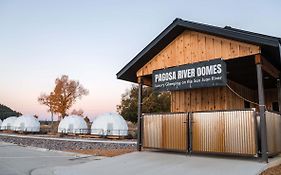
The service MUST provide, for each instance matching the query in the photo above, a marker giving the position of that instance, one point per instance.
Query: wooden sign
(198, 75)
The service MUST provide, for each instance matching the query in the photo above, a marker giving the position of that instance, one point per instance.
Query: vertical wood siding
(191, 46)
(270, 96)
(215, 98)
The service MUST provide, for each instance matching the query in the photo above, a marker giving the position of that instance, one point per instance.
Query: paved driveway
(152, 163)
(15, 160)
(18, 160)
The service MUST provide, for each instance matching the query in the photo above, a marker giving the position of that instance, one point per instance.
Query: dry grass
(104, 152)
(272, 171)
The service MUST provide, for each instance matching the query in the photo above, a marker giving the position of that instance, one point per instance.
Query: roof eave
(178, 26)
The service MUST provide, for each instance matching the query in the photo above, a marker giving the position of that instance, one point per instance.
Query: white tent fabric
(0, 122)
(27, 124)
(73, 124)
(8, 123)
(109, 124)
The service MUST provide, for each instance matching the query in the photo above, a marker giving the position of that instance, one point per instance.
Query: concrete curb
(78, 155)
(270, 165)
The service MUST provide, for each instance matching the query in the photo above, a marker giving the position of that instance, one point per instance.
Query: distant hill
(7, 112)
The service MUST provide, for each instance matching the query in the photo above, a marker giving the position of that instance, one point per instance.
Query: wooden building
(240, 116)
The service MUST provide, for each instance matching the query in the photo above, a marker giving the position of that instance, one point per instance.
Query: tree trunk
(52, 123)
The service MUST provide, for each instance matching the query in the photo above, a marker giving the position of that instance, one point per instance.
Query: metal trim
(226, 110)
(164, 113)
(163, 149)
(225, 154)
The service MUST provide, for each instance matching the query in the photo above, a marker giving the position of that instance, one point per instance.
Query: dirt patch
(104, 152)
(272, 171)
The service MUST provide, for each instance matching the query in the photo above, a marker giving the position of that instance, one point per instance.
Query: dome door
(8, 126)
(71, 128)
(109, 128)
(22, 126)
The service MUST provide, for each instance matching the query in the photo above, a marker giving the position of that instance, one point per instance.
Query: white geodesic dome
(8, 123)
(111, 124)
(0, 122)
(73, 124)
(26, 124)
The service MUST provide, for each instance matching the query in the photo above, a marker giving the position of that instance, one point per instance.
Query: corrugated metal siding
(273, 125)
(165, 131)
(232, 132)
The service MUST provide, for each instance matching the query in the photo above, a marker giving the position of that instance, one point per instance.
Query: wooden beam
(267, 66)
(147, 81)
(258, 59)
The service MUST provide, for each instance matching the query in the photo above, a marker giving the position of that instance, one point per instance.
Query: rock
(64, 145)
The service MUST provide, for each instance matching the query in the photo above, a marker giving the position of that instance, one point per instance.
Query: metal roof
(270, 46)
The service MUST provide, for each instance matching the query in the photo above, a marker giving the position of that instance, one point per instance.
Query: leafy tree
(65, 94)
(152, 102)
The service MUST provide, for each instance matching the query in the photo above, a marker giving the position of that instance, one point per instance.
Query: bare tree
(79, 112)
(49, 100)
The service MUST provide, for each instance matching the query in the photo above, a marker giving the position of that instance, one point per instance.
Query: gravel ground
(102, 149)
(272, 171)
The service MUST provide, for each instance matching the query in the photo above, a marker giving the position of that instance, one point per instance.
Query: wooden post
(279, 94)
(262, 110)
(139, 141)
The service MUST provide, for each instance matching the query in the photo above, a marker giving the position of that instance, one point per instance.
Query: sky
(92, 40)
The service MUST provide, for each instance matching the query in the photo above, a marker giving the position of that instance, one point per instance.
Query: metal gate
(227, 132)
(224, 132)
(165, 131)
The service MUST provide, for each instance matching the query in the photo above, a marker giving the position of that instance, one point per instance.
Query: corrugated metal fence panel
(152, 131)
(240, 132)
(206, 132)
(232, 132)
(165, 131)
(273, 125)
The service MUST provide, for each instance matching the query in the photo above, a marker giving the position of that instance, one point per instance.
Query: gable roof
(270, 46)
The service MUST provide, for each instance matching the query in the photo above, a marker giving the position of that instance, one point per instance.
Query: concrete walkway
(152, 163)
